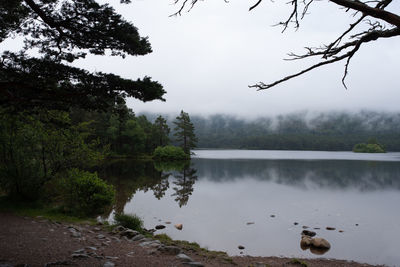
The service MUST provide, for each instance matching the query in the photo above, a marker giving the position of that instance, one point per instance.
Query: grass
(130, 221)
(297, 261)
(35, 209)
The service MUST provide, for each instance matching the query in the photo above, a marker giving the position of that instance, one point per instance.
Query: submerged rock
(308, 233)
(250, 223)
(179, 226)
(159, 227)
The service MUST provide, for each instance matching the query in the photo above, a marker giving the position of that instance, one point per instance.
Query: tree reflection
(184, 182)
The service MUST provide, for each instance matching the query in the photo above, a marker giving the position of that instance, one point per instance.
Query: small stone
(159, 227)
(249, 223)
(317, 228)
(109, 264)
(178, 226)
(240, 247)
(152, 244)
(295, 223)
(272, 216)
(172, 250)
(131, 254)
(184, 257)
(305, 227)
(79, 255)
(75, 234)
(111, 258)
(308, 233)
(100, 236)
(92, 248)
(195, 263)
(356, 224)
(167, 222)
(330, 228)
(138, 237)
(79, 251)
(341, 231)
(129, 233)
(97, 229)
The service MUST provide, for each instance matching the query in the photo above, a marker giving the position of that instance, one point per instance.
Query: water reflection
(306, 174)
(129, 176)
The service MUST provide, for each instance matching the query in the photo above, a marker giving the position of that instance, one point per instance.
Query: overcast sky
(207, 57)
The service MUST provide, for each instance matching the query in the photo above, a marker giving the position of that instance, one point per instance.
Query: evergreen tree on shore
(184, 132)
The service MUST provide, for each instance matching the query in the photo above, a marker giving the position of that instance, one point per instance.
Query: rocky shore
(37, 241)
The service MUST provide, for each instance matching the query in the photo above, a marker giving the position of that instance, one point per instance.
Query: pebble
(138, 237)
(240, 247)
(111, 258)
(195, 263)
(308, 233)
(305, 227)
(250, 223)
(184, 257)
(295, 223)
(109, 264)
(100, 236)
(330, 228)
(272, 216)
(159, 227)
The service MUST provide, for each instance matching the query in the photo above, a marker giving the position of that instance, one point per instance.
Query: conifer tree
(184, 132)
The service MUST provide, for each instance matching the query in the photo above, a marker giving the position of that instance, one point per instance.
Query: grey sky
(206, 59)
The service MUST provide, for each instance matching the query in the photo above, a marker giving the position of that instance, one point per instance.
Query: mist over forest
(330, 131)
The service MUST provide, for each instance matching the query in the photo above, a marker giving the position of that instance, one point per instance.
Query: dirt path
(33, 242)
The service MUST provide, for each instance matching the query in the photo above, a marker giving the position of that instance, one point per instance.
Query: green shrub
(368, 148)
(130, 221)
(170, 153)
(85, 194)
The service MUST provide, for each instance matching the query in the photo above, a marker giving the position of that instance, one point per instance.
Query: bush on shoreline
(85, 194)
(170, 153)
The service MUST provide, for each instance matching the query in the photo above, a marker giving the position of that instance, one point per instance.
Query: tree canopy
(372, 21)
(63, 31)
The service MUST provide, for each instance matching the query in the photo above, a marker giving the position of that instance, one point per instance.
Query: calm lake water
(221, 191)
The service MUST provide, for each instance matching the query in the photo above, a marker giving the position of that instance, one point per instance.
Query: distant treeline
(334, 131)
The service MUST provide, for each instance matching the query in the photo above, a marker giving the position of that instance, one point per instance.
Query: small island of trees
(371, 147)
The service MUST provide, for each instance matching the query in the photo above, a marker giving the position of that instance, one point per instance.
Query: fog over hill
(295, 131)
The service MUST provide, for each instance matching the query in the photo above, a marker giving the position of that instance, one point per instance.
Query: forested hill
(297, 131)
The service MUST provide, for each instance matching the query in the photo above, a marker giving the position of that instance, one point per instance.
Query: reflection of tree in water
(160, 188)
(129, 176)
(184, 182)
(332, 174)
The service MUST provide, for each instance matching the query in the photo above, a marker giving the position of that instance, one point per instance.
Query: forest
(328, 131)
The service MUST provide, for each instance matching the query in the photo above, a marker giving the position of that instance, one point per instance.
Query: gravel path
(26, 241)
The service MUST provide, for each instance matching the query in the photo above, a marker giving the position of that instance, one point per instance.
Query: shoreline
(38, 241)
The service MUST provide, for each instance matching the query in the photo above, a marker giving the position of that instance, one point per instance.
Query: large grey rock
(184, 257)
(138, 237)
(319, 242)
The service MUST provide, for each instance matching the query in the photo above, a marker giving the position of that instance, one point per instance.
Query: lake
(227, 198)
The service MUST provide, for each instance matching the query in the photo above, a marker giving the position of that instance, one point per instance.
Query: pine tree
(184, 132)
(162, 131)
